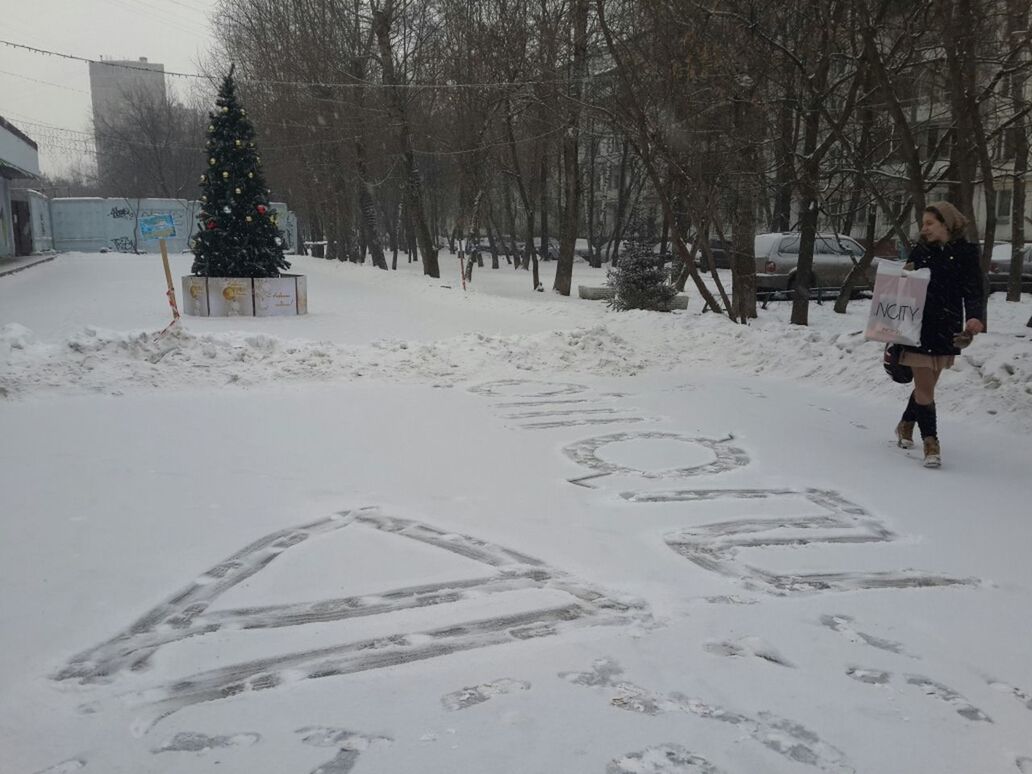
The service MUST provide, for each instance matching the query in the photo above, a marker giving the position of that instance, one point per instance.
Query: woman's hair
(949, 216)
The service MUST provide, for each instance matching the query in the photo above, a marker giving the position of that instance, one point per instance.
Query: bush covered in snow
(639, 279)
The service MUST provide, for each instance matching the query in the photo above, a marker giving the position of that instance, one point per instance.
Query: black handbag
(896, 371)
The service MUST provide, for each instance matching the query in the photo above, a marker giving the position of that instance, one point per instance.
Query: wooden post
(168, 279)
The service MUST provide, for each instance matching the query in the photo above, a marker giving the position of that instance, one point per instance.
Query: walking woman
(953, 314)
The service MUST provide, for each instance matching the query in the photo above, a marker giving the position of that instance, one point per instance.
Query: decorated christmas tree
(236, 234)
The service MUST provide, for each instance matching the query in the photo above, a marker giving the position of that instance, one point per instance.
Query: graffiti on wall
(123, 244)
(113, 224)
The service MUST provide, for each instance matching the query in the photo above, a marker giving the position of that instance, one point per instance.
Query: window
(1003, 205)
(789, 246)
(1010, 143)
(840, 245)
(937, 134)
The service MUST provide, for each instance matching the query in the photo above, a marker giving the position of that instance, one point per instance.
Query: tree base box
(678, 302)
(590, 293)
(604, 293)
(195, 296)
(286, 295)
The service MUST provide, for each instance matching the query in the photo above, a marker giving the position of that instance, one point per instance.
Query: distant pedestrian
(953, 314)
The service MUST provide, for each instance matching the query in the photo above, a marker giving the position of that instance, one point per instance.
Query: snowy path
(563, 568)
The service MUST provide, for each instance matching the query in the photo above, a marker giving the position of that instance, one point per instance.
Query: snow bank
(992, 380)
(97, 360)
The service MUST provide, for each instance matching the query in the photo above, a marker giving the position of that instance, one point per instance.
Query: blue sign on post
(159, 226)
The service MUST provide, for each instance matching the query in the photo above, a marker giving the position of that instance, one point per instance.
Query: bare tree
(571, 150)
(152, 148)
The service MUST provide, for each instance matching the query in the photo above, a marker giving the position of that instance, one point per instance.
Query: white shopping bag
(898, 304)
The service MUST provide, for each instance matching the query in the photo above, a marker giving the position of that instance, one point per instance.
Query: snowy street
(498, 531)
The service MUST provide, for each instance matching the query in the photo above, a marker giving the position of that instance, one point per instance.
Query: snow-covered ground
(430, 530)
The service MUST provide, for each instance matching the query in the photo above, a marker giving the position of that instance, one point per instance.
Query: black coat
(955, 293)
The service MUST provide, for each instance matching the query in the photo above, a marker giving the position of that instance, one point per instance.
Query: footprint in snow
(748, 646)
(662, 759)
(350, 746)
(930, 688)
(65, 767)
(948, 695)
(478, 694)
(843, 624)
(1017, 693)
(189, 741)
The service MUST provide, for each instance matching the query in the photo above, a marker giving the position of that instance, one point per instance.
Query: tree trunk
(958, 41)
(743, 261)
(571, 151)
(1018, 210)
(807, 219)
(908, 144)
(500, 236)
(367, 204)
(785, 149)
(859, 269)
(543, 182)
(396, 236)
(530, 259)
(589, 213)
(494, 245)
(414, 187)
(1016, 21)
(510, 215)
(622, 195)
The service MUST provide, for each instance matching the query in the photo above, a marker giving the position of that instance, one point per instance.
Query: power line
(88, 138)
(161, 15)
(354, 83)
(46, 83)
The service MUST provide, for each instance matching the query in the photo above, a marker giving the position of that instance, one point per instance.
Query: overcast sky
(176, 33)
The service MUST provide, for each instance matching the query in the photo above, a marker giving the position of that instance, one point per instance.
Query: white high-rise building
(113, 84)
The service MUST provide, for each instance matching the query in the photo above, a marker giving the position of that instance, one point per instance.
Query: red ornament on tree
(211, 225)
(261, 209)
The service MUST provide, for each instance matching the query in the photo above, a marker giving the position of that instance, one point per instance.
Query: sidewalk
(22, 262)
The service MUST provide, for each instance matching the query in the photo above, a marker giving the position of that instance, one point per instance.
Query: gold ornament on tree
(225, 175)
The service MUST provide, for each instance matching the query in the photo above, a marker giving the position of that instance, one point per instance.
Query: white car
(999, 267)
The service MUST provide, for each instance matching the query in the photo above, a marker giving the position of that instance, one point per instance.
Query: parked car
(552, 253)
(721, 254)
(999, 267)
(777, 256)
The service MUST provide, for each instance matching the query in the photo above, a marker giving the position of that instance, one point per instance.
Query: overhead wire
(357, 83)
(45, 83)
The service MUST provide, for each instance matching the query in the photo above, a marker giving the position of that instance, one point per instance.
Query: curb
(15, 270)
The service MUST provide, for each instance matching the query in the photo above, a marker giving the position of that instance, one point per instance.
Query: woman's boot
(932, 453)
